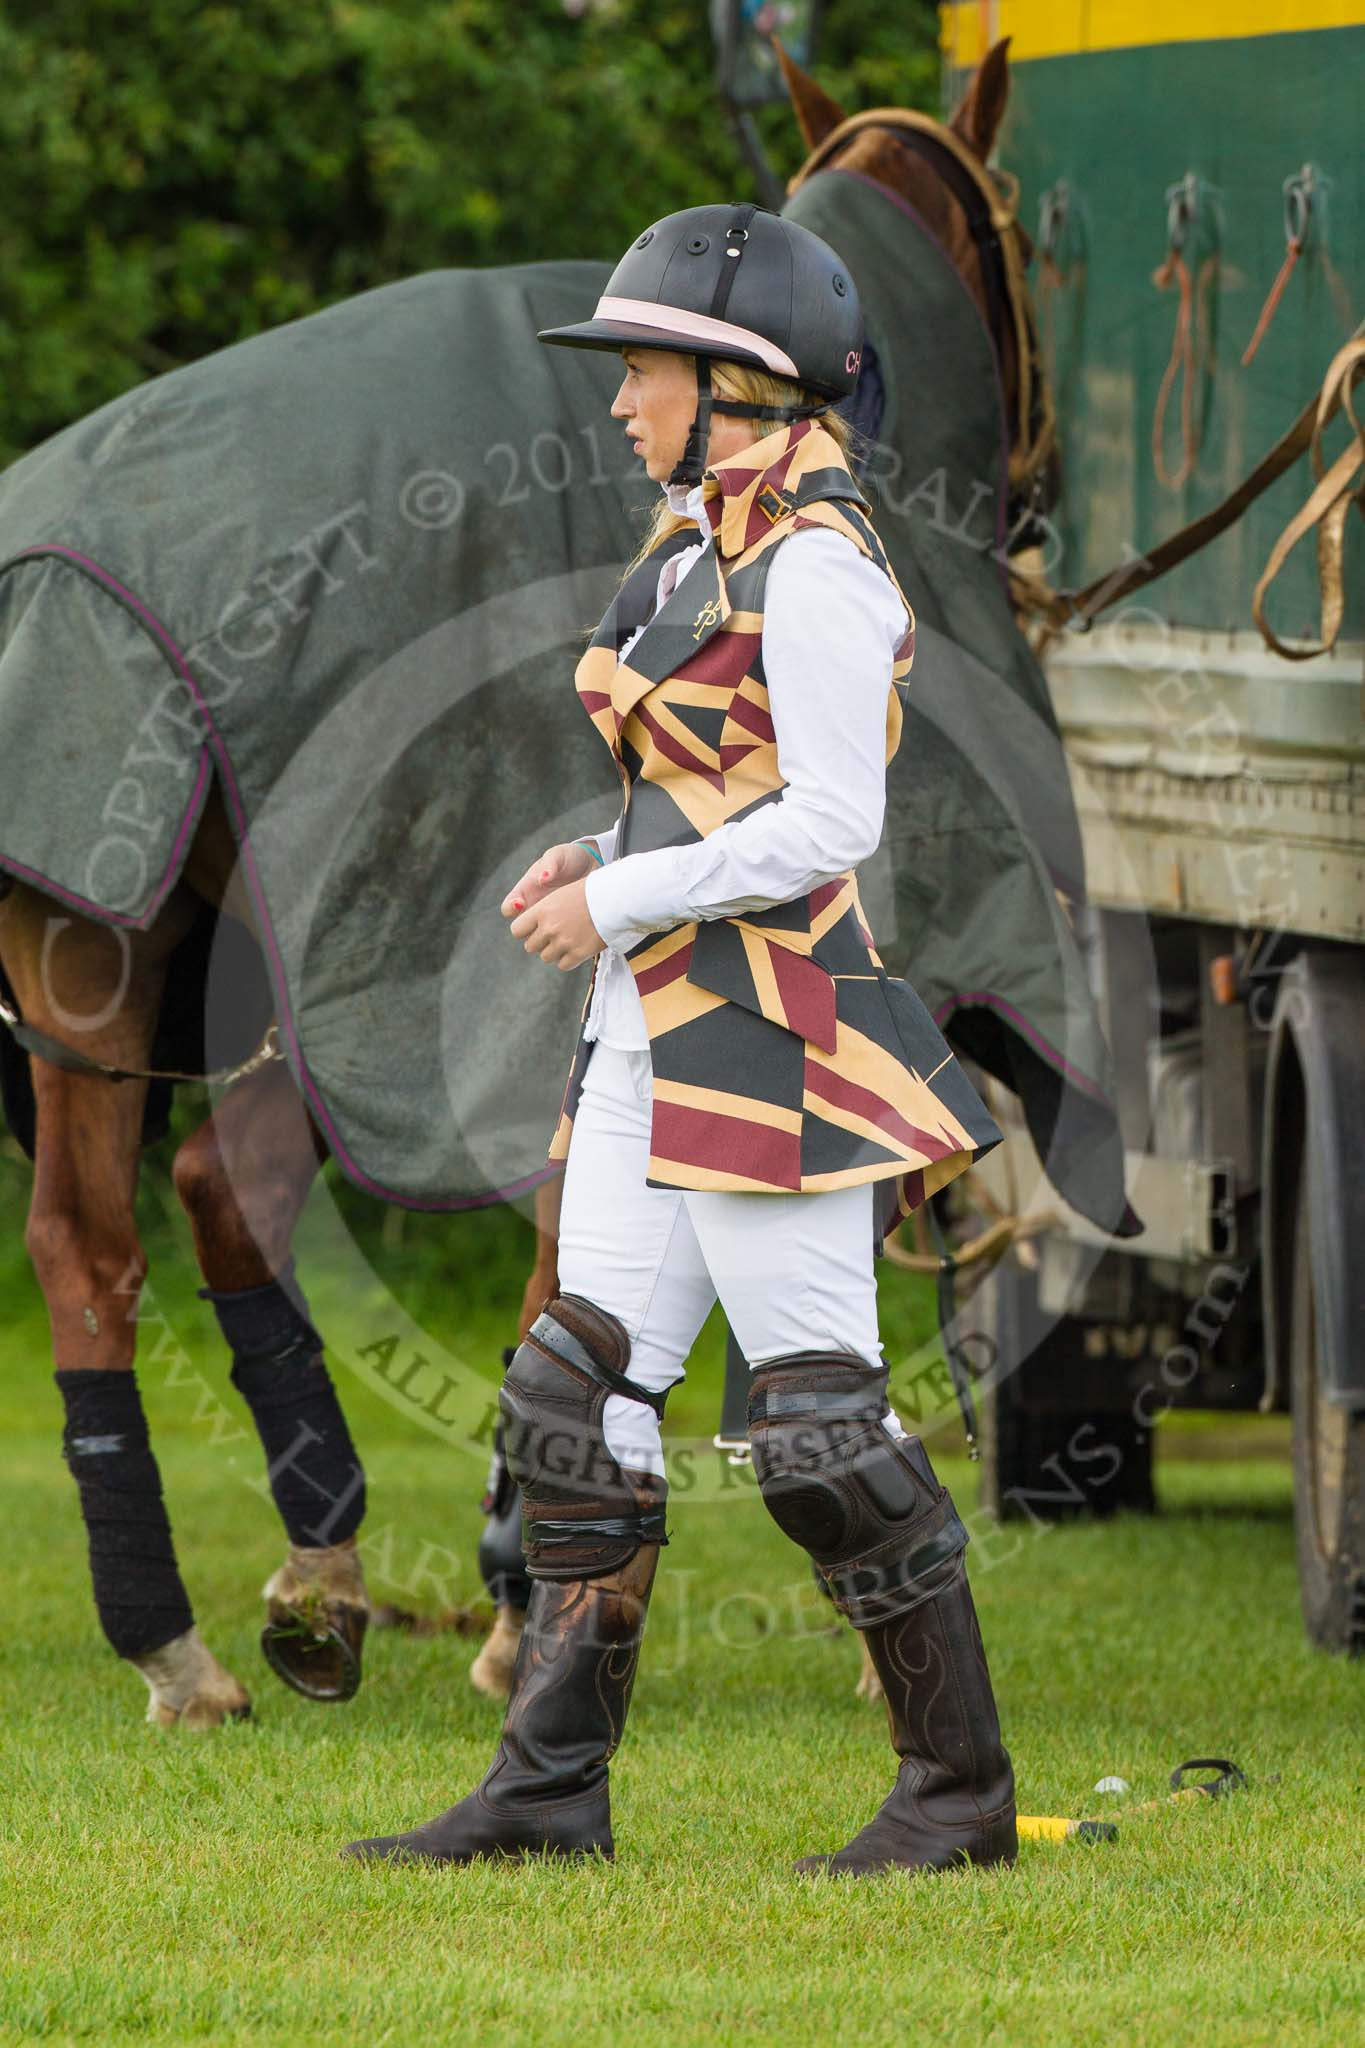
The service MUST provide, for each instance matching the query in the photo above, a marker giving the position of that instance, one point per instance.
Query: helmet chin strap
(691, 465)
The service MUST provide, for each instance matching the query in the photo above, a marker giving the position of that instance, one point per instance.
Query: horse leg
(543, 1284)
(500, 1555)
(243, 1179)
(101, 991)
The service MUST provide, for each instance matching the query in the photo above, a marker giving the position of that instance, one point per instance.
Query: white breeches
(792, 1272)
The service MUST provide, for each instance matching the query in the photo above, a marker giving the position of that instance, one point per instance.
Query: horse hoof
(189, 1688)
(318, 1654)
(491, 1671)
(316, 1616)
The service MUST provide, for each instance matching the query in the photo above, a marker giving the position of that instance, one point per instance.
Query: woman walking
(753, 1100)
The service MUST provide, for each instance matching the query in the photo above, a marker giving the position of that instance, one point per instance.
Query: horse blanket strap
(40, 1046)
(553, 1337)
(647, 1527)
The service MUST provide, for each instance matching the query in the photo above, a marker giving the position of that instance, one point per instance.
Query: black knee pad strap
(882, 1531)
(317, 1481)
(502, 1563)
(583, 1514)
(139, 1595)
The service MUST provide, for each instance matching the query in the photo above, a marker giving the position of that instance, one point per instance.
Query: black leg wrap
(315, 1476)
(584, 1515)
(882, 1531)
(141, 1601)
(502, 1562)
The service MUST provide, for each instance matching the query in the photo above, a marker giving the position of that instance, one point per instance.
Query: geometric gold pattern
(785, 1058)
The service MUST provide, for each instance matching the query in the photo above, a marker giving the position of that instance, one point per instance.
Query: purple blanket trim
(1002, 485)
(122, 918)
(986, 999)
(214, 745)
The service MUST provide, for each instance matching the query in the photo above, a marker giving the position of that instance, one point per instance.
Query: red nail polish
(517, 903)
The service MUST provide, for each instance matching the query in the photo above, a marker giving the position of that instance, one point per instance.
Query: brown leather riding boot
(545, 1792)
(592, 1532)
(953, 1800)
(889, 1544)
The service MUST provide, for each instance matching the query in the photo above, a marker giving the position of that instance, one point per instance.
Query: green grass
(177, 1888)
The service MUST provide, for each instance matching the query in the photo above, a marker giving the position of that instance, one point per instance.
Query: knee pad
(583, 1514)
(882, 1531)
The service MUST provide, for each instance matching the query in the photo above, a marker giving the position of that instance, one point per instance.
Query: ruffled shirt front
(831, 625)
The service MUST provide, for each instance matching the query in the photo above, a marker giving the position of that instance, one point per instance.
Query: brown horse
(243, 1178)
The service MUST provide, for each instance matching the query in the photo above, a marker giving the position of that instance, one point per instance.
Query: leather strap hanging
(1327, 507)
(1076, 610)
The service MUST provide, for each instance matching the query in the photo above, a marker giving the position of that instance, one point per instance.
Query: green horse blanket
(347, 568)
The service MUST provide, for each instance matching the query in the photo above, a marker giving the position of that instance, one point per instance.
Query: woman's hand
(548, 907)
(558, 865)
(558, 927)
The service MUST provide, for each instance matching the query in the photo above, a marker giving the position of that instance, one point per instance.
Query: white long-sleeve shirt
(831, 625)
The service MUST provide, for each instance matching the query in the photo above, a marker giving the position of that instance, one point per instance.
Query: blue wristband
(591, 846)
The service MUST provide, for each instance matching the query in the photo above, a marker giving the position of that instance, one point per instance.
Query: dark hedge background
(179, 177)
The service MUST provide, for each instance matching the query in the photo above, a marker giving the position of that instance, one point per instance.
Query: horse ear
(978, 119)
(816, 113)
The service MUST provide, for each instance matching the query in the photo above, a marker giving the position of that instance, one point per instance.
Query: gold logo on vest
(709, 615)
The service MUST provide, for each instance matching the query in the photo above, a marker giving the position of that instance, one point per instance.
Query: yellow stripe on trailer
(1065, 28)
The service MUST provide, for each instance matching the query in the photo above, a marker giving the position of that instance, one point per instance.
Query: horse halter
(989, 201)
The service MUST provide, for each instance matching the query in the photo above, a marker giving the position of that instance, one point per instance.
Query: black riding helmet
(738, 283)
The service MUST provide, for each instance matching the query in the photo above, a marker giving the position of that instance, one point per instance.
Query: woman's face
(657, 399)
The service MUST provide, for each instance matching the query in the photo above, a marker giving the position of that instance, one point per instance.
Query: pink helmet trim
(673, 320)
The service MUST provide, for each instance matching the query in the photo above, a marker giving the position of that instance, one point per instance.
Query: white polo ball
(1116, 1785)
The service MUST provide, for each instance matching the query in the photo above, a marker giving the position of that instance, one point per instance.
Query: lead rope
(39, 1045)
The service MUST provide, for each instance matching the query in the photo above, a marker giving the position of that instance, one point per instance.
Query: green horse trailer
(1194, 182)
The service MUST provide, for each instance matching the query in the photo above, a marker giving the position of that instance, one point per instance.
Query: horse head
(941, 173)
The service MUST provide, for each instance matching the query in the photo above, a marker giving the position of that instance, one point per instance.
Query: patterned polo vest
(785, 1059)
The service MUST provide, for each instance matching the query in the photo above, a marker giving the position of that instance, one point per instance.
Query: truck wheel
(1329, 1469)
(1052, 1448)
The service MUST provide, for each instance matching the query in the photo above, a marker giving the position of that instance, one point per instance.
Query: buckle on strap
(562, 1344)
(774, 504)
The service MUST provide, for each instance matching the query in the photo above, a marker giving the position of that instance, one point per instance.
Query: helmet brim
(619, 334)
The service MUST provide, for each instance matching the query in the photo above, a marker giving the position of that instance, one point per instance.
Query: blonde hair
(754, 387)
